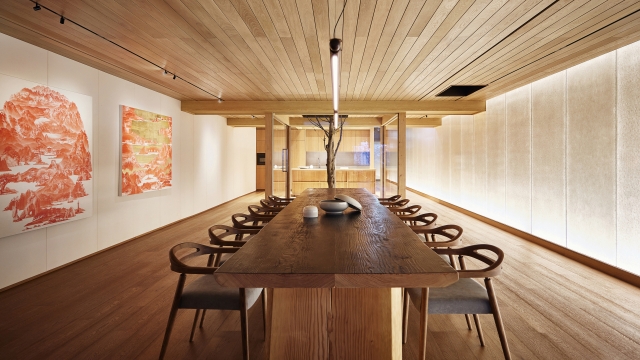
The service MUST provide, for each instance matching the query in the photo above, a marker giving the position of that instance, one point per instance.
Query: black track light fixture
(37, 7)
(219, 101)
(62, 20)
(165, 71)
(174, 76)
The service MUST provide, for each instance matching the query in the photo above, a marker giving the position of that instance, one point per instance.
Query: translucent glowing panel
(496, 159)
(466, 161)
(591, 154)
(548, 203)
(518, 157)
(479, 193)
(445, 164)
(456, 160)
(628, 186)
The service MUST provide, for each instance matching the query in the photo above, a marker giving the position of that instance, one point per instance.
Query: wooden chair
(409, 210)
(395, 204)
(227, 236)
(205, 293)
(427, 219)
(274, 204)
(265, 204)
(244, 221)
(279, 200)
(390, 198)
(260, 211)
(466, 296)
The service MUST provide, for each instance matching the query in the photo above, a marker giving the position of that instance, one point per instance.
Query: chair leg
(204, 311)
(244, 328)
(405, 315)
(172, 315)
(498, 319)
(195, 322)
(264, 312)
(476, 319)
(466, 317)
(424, 317)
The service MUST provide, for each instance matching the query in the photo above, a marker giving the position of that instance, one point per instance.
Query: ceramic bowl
(333, 206)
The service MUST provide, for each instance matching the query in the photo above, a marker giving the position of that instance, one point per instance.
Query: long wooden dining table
(337, 279)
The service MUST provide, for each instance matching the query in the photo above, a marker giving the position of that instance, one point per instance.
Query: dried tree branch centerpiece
(328, 126)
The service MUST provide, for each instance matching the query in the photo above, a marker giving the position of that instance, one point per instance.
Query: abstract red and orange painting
(46, 173)
(146, 151)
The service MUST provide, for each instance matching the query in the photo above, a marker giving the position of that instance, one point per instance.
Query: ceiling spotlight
(174, 76)
(219, 101)
(61, 19)
(37, 7)
(165, 71)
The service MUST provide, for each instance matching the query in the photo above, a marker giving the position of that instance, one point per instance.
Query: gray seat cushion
(206, 293)
(466, 296)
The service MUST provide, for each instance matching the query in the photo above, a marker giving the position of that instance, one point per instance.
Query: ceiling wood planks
(277, 50)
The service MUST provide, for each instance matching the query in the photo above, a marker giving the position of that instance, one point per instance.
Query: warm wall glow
(556, 158)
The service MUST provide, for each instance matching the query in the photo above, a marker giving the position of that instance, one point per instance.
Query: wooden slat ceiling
(278, 49)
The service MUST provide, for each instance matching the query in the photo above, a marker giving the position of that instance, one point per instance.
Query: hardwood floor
(116, 304)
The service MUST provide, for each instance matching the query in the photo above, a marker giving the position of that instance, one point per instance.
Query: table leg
(424, 316)
(354, 323)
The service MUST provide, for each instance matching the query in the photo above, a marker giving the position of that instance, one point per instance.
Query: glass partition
(280, 158)
(389, 186)
(308, 159)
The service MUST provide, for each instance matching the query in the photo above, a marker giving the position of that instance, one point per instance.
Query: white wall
(213, 163)
(558, 158)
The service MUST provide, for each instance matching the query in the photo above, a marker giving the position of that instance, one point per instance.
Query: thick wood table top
(371, 249)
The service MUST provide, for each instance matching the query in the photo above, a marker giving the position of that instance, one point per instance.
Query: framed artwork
(146, 152)
(46, 171)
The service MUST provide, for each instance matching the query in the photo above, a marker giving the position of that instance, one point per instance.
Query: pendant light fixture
(335, 45)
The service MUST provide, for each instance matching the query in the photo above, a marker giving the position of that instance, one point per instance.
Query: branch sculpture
(329, 141)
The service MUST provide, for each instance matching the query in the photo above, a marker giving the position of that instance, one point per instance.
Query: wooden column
(402, 154)
(268, 154)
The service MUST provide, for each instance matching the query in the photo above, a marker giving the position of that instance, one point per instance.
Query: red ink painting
(146, 151)
(45, 159)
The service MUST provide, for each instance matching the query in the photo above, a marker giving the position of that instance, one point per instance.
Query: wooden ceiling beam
(325, 107)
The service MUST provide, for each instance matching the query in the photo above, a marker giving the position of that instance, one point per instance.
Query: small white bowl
(333, 206)
(310, 211)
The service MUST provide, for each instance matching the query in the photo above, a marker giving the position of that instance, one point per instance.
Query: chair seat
(206, 293)
(446, 258)
(466, 296)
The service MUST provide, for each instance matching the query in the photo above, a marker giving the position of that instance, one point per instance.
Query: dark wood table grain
(336, 279)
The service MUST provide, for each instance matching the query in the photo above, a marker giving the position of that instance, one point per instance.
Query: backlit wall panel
(548, 201)
(591, 158)
(562, 152)
(466, 161)
(479, 193)
(518, 159)
(445, 165)
(456, 160)
(496, 164)
(628, 151)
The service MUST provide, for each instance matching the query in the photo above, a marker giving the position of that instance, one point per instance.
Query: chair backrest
(279, 200)
(409, 210)
(219, 235)
(256, 210)
(244, 221)
(450, 232)
(271, 207)
(426, 219)
(398, 203)
(494, 267)
(179, 263)
(393, 198)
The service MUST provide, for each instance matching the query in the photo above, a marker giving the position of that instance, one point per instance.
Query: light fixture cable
(39, 6)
